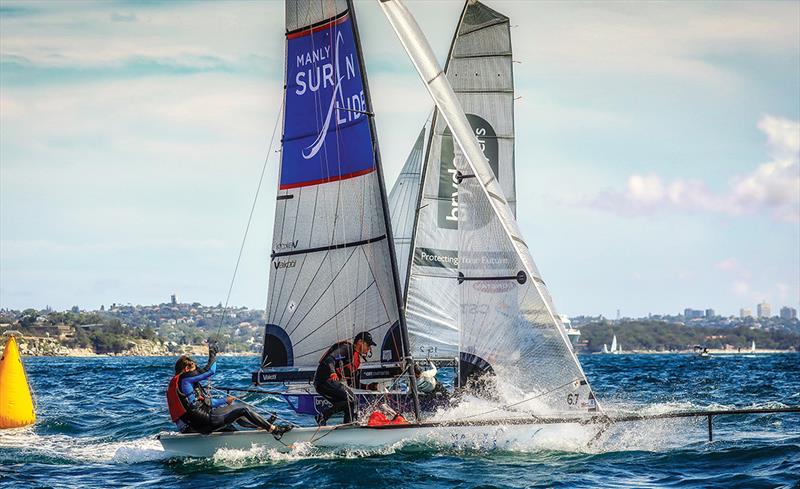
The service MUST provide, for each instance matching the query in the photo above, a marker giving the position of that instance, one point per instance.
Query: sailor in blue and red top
(194, 411)
(337, 372)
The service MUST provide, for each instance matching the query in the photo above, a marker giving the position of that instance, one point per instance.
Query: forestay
(479, 67)
(332, 265)
(508, 322)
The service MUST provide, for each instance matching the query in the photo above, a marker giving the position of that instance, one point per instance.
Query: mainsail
(479, 67)
(508, 324)
(403, 203)
(332, 270)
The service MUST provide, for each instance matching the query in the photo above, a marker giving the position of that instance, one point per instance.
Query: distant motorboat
(572, 334)
(701, 351)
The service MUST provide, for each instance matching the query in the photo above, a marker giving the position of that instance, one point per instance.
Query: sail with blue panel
(332, 268)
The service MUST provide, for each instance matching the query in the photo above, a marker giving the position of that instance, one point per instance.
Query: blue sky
(657, 148)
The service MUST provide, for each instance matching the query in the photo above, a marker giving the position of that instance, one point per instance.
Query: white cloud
(773, 187)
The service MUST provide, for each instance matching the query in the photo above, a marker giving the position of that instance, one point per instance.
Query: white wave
(260, 455)
(82, 449)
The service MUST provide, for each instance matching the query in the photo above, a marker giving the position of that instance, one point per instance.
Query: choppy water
(98, 418)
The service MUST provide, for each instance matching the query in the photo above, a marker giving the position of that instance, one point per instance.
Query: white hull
(488, 436)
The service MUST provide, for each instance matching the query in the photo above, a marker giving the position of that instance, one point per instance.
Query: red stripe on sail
(327, 25)
(328, 180)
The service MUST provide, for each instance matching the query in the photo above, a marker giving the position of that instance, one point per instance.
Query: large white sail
(332, 266)
(507, 321)
(479, 67)
(403, 201)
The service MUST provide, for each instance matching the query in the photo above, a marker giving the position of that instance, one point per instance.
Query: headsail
(332, 269)
(508, 322)
(479, 67)
(403, 203)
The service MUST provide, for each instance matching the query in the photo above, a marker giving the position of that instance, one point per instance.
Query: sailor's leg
(339, 396)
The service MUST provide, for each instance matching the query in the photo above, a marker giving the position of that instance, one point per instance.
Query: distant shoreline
(692, 352)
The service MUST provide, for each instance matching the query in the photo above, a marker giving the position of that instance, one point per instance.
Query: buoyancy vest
(347, 366)
(176, 401)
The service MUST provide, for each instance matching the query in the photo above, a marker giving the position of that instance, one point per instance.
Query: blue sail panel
(326, 130)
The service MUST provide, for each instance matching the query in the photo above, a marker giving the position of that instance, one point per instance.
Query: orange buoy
(16, 402)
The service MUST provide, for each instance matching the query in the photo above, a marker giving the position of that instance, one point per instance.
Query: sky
(657, 150)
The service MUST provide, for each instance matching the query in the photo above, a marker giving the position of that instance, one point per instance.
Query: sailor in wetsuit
(194, 411)
(338, 372)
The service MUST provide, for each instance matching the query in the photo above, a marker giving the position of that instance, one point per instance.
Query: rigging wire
(249, 221)
(528, 399)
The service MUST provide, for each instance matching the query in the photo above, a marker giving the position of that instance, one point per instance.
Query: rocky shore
(33, 346)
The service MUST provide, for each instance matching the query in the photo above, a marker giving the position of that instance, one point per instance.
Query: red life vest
(176, 401)
(377, 418)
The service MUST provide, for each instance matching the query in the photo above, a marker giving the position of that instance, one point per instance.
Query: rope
(255, 407)
(522, 401)
(249, 220)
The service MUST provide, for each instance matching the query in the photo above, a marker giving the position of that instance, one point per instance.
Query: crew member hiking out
(337, 372)
(194, 411)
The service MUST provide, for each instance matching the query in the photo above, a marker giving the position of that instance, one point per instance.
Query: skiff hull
(480, 436)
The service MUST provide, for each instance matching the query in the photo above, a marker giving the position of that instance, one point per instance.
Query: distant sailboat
(605, 348)
(753, 347)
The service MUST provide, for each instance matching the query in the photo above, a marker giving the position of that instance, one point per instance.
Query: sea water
(98, 418)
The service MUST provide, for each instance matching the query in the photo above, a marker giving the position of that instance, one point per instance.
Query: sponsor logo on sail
(284, 264)
(451, 160)
(327, 136)
(429, 257)
(287, 246)
(313, 76)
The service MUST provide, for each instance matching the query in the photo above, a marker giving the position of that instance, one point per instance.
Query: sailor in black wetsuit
(338, 372)
(192, 409)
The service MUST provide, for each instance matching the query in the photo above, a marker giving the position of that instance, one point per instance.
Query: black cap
(365, 337)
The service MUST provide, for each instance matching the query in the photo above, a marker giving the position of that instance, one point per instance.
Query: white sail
(331, 269)
(479, 66)
(403, 201)
(753, 347)
(507, 320)
(614, 344)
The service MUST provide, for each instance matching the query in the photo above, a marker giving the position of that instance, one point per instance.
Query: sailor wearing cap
(338, 372)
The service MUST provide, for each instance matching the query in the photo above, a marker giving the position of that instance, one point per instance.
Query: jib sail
(479, 67)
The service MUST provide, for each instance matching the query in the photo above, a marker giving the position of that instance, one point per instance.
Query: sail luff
(408, 360)
(421, 54)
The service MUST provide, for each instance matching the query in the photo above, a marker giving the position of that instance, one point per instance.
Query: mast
(407, 358)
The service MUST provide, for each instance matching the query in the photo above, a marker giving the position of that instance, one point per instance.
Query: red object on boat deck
(379, 419)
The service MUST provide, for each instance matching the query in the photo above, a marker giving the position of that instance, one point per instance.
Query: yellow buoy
(16, 403)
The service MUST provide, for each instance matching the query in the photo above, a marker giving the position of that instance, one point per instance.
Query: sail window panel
(302, 13)
(431, 316)
(480, 74)
(508, 324)
(492, 40)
